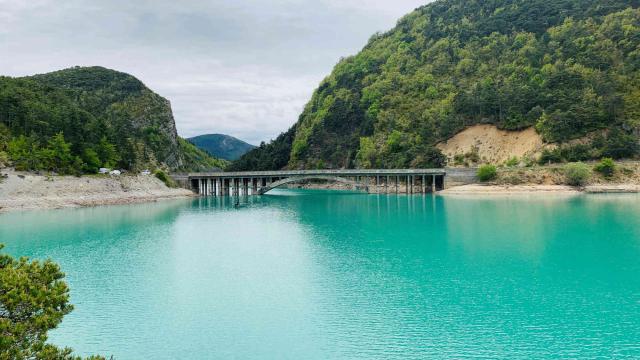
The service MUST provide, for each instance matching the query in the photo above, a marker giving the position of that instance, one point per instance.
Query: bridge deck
(346, 172)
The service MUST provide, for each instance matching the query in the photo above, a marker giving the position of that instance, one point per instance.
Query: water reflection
(307, 274)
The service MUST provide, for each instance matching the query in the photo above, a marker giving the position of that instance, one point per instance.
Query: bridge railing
(345, 172)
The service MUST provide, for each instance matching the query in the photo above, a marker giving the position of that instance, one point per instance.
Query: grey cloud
(244, 68)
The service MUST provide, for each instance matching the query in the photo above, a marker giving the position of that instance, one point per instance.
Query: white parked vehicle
(115, 172)
(145, 172)
(103, 171)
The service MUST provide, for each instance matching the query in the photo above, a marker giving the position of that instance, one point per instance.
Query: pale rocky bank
(28, 191)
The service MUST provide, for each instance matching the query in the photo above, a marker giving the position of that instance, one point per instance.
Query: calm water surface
(320, 275)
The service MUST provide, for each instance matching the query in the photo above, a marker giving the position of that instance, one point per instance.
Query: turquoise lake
(330, 275)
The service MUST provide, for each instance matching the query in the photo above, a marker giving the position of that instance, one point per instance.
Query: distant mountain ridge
(222, 146)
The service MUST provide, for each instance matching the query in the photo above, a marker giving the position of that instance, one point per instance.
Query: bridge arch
(294, 179)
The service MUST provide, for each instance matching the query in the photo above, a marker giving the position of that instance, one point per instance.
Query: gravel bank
(26, 191)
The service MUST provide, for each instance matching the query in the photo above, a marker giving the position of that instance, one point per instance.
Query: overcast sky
(239, 67)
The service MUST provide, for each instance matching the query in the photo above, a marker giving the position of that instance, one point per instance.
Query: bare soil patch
(492, 144)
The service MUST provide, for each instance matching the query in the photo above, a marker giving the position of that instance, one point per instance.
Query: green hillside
(567, 67)
(222, 146)
(80, 119)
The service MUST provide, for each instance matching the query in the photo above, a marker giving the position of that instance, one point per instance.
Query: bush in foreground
(606, 167)
(33, 300)
(577, 174)
(487, 173)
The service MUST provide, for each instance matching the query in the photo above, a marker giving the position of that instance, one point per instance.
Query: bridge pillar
(439, 182)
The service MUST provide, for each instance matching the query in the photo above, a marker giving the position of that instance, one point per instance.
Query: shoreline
(22, 191)
(480, 189)
(493, 189)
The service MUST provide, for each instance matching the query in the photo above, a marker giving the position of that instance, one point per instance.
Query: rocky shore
(27, 191)
(540, 189)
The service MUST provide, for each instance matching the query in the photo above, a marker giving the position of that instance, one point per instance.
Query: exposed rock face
(125, 105)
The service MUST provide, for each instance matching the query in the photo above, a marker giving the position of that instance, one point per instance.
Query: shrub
(166, 179)
(550, 156)
(4, 159)
(514, 161)
(458, 159)
(577, 174)
(578, 152)
(473, 155)
(606, 167)
(487, 173)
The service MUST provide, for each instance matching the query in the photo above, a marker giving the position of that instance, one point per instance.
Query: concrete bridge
(409, 181)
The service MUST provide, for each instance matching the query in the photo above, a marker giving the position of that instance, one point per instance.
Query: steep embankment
(487, 143)
(222, 146)
(567, 68)
(101, 117)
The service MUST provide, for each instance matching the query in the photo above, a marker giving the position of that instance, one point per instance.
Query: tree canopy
(80, 119)
(567, 67)
(33, 300)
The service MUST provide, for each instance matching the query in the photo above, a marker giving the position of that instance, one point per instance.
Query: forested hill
(80, 119)
(221, 146)
(567, 67)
